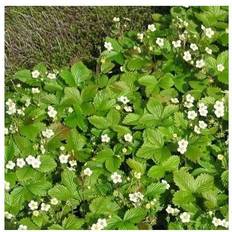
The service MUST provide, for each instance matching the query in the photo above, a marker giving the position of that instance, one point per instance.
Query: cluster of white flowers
(136, 197)
(138, 49)
(87, 172)
(219, 109)
(201, 125)
(166, 184)
(51, 76)
(160, 42)
(108, 46)
(35, 74)
(172, 211)
(182, 146)
(128, 137)
(52, 112)
(185, 217)
(105, 138)
(202, 109)
(189, 101)
(116, 178)
(100, 225)
(208, 31)
(151, 27)
(11, 107)
(48, 133)
(8, 215)
(218, 222)
(34, 162)
(128, 108)
(123, 99)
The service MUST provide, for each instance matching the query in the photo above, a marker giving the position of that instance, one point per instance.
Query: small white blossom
(202, 124)
(8, 215)
(116, 178)
(188, 104)
(33, 205)
(202, 109)
(51, 76)
(140, 36)
(208, 50)
(185, 217)
(124, 150)
(182, 37)
(73, 163)
(174, 100)
(128, 108)
(137, 175)
(102, 222)
(35, 74)
(136, 197)
(116, 19)
(124, 100)
(200, 63)
(52, 112)
(36, 163)
(197, 129)
(48, 133)
(22, 227)
(87, 172)
(54, 201)
(35, 90)
(220, 67)
(219, 109)
(36, 213)
(128, 137)
(160, 42)
(176, 44)
(10, 165)
(220, 157)
(6, 131)
(95, 226)
(193, 46)
(192, 114)
(63, 158)
(187, 56)
(20, 162)
(45, 207)
(167, 185)
(70, 109)
(7, 186)
(28, 102)
(105, 138)
(182, 146)
(11, 107)
(209, 32)
(30, 159)
(151, 27)
(108, 46)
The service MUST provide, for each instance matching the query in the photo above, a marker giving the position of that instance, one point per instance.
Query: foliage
(138, 143)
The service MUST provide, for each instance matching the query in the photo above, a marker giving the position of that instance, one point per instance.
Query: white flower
(182, 146)
(7, 186)
(20, 162)
(225, 223)
(124, 150)
(137, 175)
(176, 44)
(105, 138)
(116, 178)
(6, 131)
(128, 108)
(102, 222)
(136, 197)
(35, 74)
(51, 76)
(160, 42)
(28, 102)
(36, 163)
(202, 125)
(128, 137)
(169, 209)
(174, 100)
(219, 105)
(87, 172)
(151, 27)
(108, 46)
(33, 205)
(45, 207)
(54, 201)
(11, 107)
(8, 215)
(193, 46)
(209, 32)
(70, 109)
(197, 129)
(140, 36)
(124, 100)
(219, 113)
(188, 104)
(187, 56)
(10, 165)
(185, 217)
(63, 159)
(216, 221)
(35, 213)
(208, 50)
(116, 19)
(22, 227)
(35, 90)
(182, 150)
(73, 163)
(167, 185)
(62, 148)
(200, 63)
(202, 108)
(30, 159)
(48, 133)
(182, 36)
(220, 157)
(219, 109)
(96, 227)
(192, 114)
(20, 112)
(52, 112)
(220, 67)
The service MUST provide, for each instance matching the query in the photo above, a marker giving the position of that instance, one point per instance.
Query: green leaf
(80, 72)
(146, 151)
(67, 178)
(136, 63)
(113, 117)
(72, 223)
(204, 183)
(172, 163)
(67, 76)
(136, 165)
(26, 173)
(131, 119)
(32, 130)
(76, 141)
(39, 188)
(156, 172)
(71, 96)
(135, 215)
(48, 164)
(156, 108)
(99, 122)
(60, 192)
(154, 137)
(166, 81)
(112, 164)
(155, 189)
